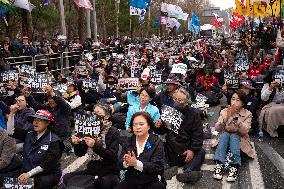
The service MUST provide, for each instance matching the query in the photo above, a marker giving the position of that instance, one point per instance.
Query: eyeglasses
(179, 100)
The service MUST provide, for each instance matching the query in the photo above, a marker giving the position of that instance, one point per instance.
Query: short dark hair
(148, 118)
(150, 91)
(241, 95)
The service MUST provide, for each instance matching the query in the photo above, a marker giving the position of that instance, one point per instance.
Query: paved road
(266, 171)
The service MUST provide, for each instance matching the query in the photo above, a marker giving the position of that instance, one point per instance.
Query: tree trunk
(104, 20)
(82, 24)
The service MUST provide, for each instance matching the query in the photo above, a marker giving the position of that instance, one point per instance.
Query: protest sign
(3, 87)
(7, 76)
(171, 118)
(179, 68)
(27, 70)
(37, 83)
(81, 70)
(90, 84)
(242, 64)
(13, 183)
(279, 76)
(88, 125)
(128, 83)
(62, 88)
(156, 77)
(231, 78)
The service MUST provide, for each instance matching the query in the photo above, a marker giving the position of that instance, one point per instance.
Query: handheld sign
(179, 68)
(81, 70)
(128, 83)
(5, 78)
(172, 118)
(13, 183)
(37, 83)
(231, 78)
(279, 76)
(88, 125)
(90, 84)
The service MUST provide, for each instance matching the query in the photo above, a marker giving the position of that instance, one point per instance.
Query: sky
(223, 4)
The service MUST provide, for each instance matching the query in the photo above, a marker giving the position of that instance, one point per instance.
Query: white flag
(24, 4)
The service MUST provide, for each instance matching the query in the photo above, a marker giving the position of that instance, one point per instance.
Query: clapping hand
(130, 159)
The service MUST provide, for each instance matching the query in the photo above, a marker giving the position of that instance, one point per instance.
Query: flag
(241, 8)
(136, 11)
(157, 22)
(194, 24)
(267, 1)
(174, 11)
(7, 4)
(3, 11)
(218, 22)
(195, 20)
(142, 4)
(24, 4)
(84, 3)
(45, 2)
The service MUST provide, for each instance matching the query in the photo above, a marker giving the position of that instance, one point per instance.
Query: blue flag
(142, 4)
(194, 24)
(3, 11)
(45, 2)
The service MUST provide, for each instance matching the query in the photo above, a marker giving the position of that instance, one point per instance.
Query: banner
(128, 83)
(171, 118)
(13, 183)
(27, 70)
(179, 68)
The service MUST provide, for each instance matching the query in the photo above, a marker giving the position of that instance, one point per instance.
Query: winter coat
(21, 123)
(44, 152)
(152, 157)
(109, 162)
(241, 127)
(60, 115)
(7, 149)
(190, 134)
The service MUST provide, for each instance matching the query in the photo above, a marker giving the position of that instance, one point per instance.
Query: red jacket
(254, 72)
(211, 83)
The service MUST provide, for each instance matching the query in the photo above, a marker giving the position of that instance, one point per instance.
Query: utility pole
(62, 18)
(95, 21)
(88, 20)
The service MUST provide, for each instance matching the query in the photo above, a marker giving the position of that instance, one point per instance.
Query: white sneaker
(233, 174)
(218, 172)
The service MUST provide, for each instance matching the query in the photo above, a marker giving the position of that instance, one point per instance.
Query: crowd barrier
(60, 62)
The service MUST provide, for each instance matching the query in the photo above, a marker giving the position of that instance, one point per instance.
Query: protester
(17, 120)
(103, 164)
(42, 152)
(233, 124)
(60, 111)
(185, 147)
(146, 96)
(271, 115)
(142, 156)
(8, 165)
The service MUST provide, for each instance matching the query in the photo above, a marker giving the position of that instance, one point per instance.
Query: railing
(60, 62)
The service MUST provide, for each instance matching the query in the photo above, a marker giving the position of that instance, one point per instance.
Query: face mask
(178, 106)
(111, 82)
(11, 93)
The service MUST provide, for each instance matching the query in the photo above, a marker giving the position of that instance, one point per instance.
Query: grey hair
(183, 91)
